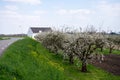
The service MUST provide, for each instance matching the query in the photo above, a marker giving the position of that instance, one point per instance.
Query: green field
(4, 38)
(28, 60)
(0, 38)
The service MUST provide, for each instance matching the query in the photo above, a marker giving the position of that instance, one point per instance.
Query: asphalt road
(5, 43)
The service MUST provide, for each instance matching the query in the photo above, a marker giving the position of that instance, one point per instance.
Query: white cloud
(75, 11)
(33, 2)
(11, 7)
(62, 12)
(76, 17)
(109, 9)
(81, 11)
(5, 14)
(81, 14)
(12, 20)
(39, 12)
(8, 13)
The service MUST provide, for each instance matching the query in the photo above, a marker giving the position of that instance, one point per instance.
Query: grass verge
(23, 61)
(28, 60)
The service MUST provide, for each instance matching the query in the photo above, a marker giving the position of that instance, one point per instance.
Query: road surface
(5, 43)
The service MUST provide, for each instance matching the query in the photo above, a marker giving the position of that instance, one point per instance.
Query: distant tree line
(13, 35)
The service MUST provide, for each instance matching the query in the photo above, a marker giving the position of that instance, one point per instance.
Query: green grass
(71, 72)
(4, 38)
(1, 38)
(106, 51)
(28, 60)
(23, 61)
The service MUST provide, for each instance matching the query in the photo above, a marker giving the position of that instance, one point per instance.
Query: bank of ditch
(27, 59)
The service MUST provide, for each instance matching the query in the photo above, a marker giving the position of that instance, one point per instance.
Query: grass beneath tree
(106, 51)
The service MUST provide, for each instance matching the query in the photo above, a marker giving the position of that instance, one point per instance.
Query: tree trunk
(118, 47)
(84, 66)
(101, 49)
(56, 50)
(71, 60)
(110, 50)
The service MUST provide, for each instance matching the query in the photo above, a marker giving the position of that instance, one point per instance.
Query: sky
(16, 16)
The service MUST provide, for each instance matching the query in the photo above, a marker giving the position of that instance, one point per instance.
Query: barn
(32, 31)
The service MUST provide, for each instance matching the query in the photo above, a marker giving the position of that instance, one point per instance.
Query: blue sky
(16, 16)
